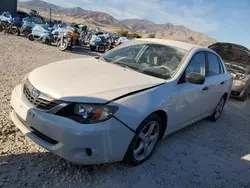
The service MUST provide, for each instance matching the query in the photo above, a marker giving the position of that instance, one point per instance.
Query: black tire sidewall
(66, 46)
(213, 118)
(129, 157)
(31, 37)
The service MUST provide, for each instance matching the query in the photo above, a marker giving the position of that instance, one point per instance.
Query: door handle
(222, 82)
(205, 88)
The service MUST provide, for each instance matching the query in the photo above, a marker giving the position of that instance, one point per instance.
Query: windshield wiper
(126, 66)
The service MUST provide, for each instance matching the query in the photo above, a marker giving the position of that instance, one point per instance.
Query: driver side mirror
(195, 78)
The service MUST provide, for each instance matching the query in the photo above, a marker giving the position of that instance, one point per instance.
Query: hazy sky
(224, 20)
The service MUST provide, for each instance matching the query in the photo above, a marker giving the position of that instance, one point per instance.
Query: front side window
(152, 59)
(197, 64)
(213, 64)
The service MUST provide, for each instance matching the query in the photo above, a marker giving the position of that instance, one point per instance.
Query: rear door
(216, 80)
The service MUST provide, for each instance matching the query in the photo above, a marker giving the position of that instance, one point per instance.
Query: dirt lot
(203, 155)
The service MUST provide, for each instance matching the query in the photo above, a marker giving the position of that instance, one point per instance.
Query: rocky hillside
(104, 20)
(170, 31)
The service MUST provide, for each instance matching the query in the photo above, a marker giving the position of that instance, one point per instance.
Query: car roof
(178, 44)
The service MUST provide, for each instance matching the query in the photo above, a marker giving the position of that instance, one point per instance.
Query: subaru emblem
(35, 93)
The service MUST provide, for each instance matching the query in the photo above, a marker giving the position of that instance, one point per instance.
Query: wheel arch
(164, 117)
(225, 95)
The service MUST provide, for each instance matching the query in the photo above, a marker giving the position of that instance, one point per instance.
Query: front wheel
(63, 45)
(218, 110)
(145, 141)
(15, 31)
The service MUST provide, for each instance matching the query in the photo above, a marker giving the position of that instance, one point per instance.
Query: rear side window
(221, 66)
(214, 67)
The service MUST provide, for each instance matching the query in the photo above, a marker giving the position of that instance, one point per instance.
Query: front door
(189, 104)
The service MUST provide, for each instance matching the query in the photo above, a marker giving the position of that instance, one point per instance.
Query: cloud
(195, 14)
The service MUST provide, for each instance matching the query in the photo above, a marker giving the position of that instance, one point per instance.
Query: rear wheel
(26, 33)
(31, 37)
(145, 141)
(218, 110)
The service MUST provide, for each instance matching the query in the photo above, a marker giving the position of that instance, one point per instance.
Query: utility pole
(50, 16)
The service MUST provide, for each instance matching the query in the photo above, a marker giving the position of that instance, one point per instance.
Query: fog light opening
(89, 152)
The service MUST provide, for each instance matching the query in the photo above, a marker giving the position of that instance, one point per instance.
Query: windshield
(152, 59)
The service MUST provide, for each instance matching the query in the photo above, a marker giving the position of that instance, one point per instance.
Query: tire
(218, 110)
(92, 48)
(63, 46)
(31, 37)
(47, 41)
(15, 31)
(244, 96)
(26, 34)
(137, 144)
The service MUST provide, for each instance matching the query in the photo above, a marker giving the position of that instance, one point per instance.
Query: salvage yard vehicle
(237, 60)
(67, 39)
(41, 33)
(10, 24)
(120, 105)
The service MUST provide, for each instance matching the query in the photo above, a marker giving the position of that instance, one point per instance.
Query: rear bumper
(237, 92)
(83, 144)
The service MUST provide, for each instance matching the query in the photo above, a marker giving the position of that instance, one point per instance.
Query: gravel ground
(202, 155)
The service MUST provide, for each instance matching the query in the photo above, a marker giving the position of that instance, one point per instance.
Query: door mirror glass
(195, 78)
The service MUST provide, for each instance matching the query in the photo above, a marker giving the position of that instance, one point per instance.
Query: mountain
(139, 24)
(45, 7)
(37, 5)
(89, 17)
(170, 31)
(102, 19)
(108, 22)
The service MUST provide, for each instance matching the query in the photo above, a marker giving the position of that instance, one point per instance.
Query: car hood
(232, 53)
(89, 80)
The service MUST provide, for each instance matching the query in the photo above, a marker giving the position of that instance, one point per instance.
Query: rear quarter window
(222, 70)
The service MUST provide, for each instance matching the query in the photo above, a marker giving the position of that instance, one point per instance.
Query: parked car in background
(119, 106)
(237, 60)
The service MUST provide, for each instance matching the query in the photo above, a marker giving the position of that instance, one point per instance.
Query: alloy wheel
(146, 140)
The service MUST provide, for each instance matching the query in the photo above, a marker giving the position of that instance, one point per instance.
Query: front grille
(37, 133)
(40, 103)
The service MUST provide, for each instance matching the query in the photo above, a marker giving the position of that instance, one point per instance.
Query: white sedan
(118, 106)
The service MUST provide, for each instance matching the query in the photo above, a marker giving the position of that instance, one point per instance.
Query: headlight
(88, 113)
